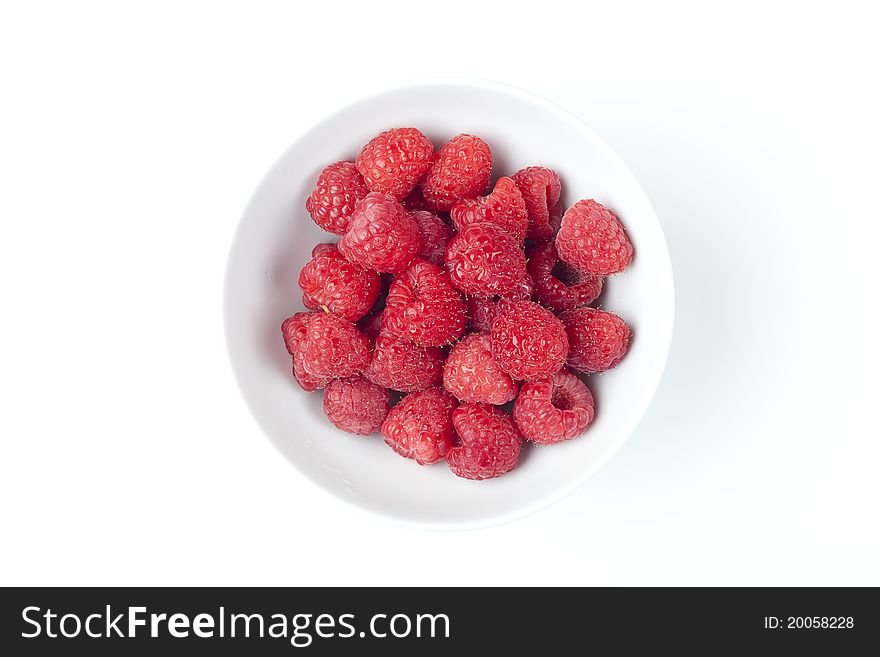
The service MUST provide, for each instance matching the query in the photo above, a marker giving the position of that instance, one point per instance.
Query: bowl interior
(275, 238)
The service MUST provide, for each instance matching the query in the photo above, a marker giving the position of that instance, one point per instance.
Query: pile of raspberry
(455, 322)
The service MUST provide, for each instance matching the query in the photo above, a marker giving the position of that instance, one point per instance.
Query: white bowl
(274, 240)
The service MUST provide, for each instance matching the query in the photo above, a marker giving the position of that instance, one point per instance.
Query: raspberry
(382, 235)
(420, 426)
(540, 188)
(293, 330)
(306, 381)
(483, 260)
(310, 303)
(415, 201)
(332, 202)
(528, 341)
(422, 306)
(336, 285)
(558, 286)
(371, 326)
(556, 213)
(592, 240)
(598, 339)
(473, 376)
(356, 405)
(489, 442)
(333, 347)
(436, 234)
(481, 312)
(523, 291)
(402, 365)
(461, 169)
(395, 161)
(504, 207)
(323, 247)
(553, 409)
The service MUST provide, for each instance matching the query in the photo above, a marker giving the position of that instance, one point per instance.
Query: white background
(132, 136)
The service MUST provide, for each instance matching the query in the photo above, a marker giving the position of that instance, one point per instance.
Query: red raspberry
(553, 409)
(395, 161)
(481, 312)
(323, 247)
(461, 169)
(524, 290)
(504, 207)
(310, 303)
(306, 381)
(415, 201)
(593, 240)
(404, 366)
(420, 426)
(489, 442)
(422, 306)
(473, 376)
(371, 326)
(382, 235)
(356, 405)
(483, 260)
(436, 234)
(528, 341)
(556, 213)
(338, 286)
(598, 339)
(540, 188)
(293, 330)
(332, 202)
(333, 347)
(558, 286)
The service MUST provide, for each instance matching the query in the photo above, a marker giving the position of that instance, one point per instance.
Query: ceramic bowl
(274, 240)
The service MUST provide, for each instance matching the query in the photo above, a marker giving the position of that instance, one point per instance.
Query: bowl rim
(666, 328)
